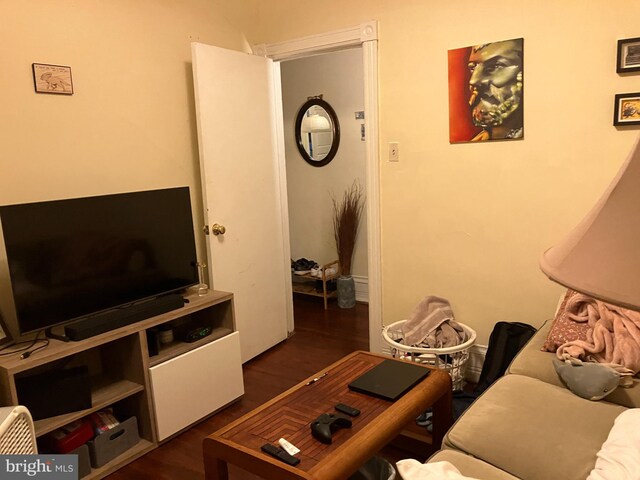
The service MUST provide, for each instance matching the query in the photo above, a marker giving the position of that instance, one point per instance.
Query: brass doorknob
(218, 229)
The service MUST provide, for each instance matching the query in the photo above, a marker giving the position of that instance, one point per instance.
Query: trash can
(376, 468)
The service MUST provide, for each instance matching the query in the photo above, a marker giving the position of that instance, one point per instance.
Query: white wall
(339, 77)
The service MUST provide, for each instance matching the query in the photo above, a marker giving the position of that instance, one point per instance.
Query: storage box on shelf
(84, 461)
(306, 284)
(125, 377)
(114, 442)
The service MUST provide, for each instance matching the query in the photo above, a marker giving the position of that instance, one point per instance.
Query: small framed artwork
(52, 79)
(628, 55)
(627, 109)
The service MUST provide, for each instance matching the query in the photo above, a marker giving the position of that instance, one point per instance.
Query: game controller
(323, 426)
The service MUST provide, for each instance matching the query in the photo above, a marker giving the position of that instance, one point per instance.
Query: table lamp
(600, 257)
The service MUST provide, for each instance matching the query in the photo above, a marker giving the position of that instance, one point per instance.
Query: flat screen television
(71, 259)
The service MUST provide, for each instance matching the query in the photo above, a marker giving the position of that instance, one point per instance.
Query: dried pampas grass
(346, 219)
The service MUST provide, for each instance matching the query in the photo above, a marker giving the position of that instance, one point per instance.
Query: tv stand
(126, 377)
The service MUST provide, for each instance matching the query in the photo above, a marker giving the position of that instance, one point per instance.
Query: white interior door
(238, 140)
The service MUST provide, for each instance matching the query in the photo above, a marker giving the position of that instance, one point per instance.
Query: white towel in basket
(432, 323)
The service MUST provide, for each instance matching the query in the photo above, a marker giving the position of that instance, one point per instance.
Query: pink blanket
(613, 335)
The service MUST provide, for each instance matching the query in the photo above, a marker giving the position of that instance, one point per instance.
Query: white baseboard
(362, 288)
(475, 362)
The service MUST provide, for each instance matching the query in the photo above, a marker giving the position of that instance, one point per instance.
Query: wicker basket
(452, 359)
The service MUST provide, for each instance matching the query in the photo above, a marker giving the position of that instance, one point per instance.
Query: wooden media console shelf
(134, 380)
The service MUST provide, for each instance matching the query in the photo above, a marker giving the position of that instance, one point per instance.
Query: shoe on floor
(425, 419)
(303, 266)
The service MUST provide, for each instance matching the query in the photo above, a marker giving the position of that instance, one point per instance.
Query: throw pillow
(564, 329)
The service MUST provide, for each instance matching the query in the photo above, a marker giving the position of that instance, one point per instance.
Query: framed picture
(627, 109)
(628, 55)
(486, 92)
(52, 79)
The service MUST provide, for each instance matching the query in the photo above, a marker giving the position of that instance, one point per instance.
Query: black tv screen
(69, 259)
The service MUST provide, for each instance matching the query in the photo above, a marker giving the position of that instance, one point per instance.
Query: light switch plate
(394, 152)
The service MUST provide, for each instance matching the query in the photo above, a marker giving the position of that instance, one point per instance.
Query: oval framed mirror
(317, 132)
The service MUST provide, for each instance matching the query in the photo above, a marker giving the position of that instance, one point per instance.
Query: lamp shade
(600, 257)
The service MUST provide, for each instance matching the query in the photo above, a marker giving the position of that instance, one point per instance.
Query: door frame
(365, 36)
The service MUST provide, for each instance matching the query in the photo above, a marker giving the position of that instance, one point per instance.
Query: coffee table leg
(215, 469)
(442, 417)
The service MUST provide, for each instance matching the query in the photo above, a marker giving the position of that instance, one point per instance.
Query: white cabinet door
(239, 143)
(190, 387)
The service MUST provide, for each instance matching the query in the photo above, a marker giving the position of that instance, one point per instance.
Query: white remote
(288, 447)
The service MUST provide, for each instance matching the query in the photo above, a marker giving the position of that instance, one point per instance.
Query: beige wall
(339, 77)
(130, 124)
(468, 222)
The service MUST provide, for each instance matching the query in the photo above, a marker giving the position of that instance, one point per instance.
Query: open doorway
(338, 78)
(365, 37)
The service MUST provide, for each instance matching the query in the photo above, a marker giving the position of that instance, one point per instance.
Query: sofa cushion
(470, 466)
(520, 423)
(532, 362)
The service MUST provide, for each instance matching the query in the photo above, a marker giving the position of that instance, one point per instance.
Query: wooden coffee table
(290, 414)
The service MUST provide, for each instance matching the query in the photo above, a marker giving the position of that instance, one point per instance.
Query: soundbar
(112, 319)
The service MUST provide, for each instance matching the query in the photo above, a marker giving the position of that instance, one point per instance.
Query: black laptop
(390, 379)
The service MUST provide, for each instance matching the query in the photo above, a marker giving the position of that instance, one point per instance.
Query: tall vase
(346, 291)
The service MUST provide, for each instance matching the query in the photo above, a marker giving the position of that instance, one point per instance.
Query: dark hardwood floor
(321, 338)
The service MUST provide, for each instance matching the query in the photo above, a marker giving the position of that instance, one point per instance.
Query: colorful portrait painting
(486, 92)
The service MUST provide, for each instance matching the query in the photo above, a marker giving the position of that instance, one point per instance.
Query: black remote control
(280, 454)
(352, 412)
